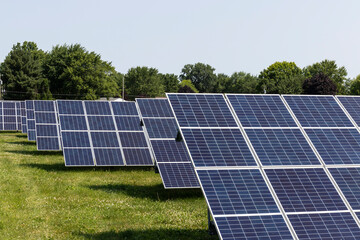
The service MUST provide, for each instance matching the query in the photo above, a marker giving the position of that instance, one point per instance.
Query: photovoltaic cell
(124, 108)
(128, 123)
(218, 147)
(325, 226)
(70, 107)
(348, 179)
(137, 157)
(253, 227)
(352, 106)
(170, 151)
(178, 175)
(336, 146)
(133, 139)
(304, 190)
(282, 147)
(236, 192)
(318, 111)
(30, 120)
(154, 108)
(161, 128)
(109, 157)
(78, 157)
(97, 108)
(23, 117)
(261, 111)
(202, 110)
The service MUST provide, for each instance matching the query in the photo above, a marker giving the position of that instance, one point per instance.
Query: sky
(231, 36)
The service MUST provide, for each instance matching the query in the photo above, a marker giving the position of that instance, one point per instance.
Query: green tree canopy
(222, 84)
(355, 86)
(76, 73)
(22, 73)
(242, 82)
(143, 82)
(281, 77)
(170, 82)
(330, 69)
(319, 84)
(201, 75)
(185, 86)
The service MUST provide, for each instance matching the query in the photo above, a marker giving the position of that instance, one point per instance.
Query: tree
(201, 75)
(186, 86)
(282, 78)
(222, 84)
(76, 73)
(242, 82)
(143, 82)
(22, 73)
(355, 86)
(330, 69)
(319, 84)
(170, 82)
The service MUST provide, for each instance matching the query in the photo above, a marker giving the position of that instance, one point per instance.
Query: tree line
(72, 72)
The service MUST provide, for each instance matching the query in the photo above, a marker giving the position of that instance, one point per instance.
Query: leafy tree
(330, 69)
(143, 82)
(355, 86)
(76, 73)
(201, 75)
(319, 84)
(222, 84)
(186, 86)
(170, 82)
(242, 82)
(282, 78)
(22, 73)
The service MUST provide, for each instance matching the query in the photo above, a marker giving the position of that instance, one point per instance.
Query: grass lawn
(42, 199)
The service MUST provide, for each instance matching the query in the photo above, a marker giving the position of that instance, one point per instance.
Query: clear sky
(231, 36)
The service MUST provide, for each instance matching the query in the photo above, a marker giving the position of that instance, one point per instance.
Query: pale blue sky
(229, 35)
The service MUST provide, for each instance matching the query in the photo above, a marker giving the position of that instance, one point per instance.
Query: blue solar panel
(104, 139)
(23, 117)
(261, 111)
(318, 111)
(325, 226)
(161, 128)
(73, 123)
(11, 119)
(137, 157)
(75, 139)
(47, 131)
(218, 147)
(352, 106)
(178, 175)
(336, 146)
(236, 192)
(78, 157)
(97, 108)
(201, 110)
(128, 123)
(133, 139)
(108, 157)
(101, 123)
(48, 143)
(253, 227)
(170, 151)
(45, 117)
(44, 106)
(30, 118)
(124, 108)
(154, 107)
(31, 135)
(282, 147)
(348, 179)
(70, 107)
(303, 190)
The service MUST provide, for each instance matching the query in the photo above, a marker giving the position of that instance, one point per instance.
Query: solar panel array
(23, 117)
(172, 158)
(274, 167)
(47, 126)
(30, 120)
(10, 118)
(102, 133)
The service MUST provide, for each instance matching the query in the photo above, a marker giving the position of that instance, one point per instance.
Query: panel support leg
(211, 225)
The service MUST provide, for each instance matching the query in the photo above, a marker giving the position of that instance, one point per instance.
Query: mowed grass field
(42, 199)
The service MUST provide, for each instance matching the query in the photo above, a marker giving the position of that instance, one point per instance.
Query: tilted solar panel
(352, 106)
(30, 120)
(154, 108)
(23, 117)
(161, 127)
(11, 116)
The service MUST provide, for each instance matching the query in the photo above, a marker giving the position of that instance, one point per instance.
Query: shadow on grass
(58, 167)
(28, 143)
(154, 192)
(38, 153)
(171, 234)
(22, 136)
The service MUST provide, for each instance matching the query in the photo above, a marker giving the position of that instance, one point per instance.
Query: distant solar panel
(261, 110)
(30, 120)
(23, 117)
(173, 160)
(9, 116)
(46, 124)
(282, 147)
(318, 111)
(18, 115)
(325, 226)
(1, 116)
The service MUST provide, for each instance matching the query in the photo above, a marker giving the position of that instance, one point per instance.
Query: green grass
(42, 199)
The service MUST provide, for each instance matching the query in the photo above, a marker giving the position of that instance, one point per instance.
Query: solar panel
(30, 120)
(18, 115)
(318, 111)
(46, 125)
(1, 117)
(23, 117)
(325, 226)
(253, 227)
(90, 129)
(336, 146)
(173, 160)
(282, 147)
(261, 110)
(352, 106)
(10, 116)
(304, 190)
